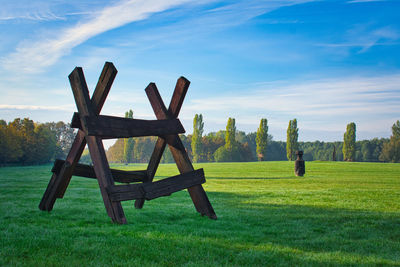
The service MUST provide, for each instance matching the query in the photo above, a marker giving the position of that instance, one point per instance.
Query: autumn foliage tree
(25, 142)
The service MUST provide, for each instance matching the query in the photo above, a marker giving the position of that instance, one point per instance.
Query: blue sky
(326, 63)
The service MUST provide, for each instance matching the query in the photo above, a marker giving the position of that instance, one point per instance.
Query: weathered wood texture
(197, 193)
(95, 144)
(161, 112)
(94, 127)
(115, 127)
(59, 182)
(157, 189)
(87, 171)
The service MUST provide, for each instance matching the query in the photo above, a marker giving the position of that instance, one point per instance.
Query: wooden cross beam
(94, 127)
(116, 127)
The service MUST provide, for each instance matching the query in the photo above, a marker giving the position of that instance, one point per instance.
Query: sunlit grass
(338, 214)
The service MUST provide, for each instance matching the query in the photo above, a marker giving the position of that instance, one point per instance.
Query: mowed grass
(338, 214)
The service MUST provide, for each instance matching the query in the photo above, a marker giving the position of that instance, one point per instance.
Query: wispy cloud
(240, 11)
(35, 107)
(33, 56)
(364, 1)
(364, 38)
(338, 99)
(33, 16)
(27, 10)
(370, 38)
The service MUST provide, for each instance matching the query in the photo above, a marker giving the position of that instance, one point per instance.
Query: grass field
(338, 214)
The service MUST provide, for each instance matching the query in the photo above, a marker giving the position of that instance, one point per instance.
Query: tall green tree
(231, 150)
(391, 150)
(196, 144)
(129, 143)
(396, 130)
(292, 136)
(349, 142)
(230, 134)
(262, 139)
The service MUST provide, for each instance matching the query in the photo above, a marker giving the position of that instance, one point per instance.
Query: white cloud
(38, 10)
(363, 37)
(319, 104)
(34, 107)
(33, 56)
(307, 97)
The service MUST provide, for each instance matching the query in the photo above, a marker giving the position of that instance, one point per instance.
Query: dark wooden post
(197, 193)
(96, 149)
(299, 166)
(60, 181)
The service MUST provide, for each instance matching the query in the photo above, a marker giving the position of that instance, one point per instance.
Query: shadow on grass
(251, 178)
(168, 231)
(254, 233)
(355, 233)
(300, 234)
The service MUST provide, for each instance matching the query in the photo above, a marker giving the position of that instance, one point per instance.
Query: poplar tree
(262, 139)
(198, 128)
(292, 135)
(391, 150)
(230, 134)
(129, 143)
(349, 142)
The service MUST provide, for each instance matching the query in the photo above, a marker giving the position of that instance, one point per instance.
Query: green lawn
(338, 214)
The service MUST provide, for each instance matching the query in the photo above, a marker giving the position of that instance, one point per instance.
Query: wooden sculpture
(93, 128)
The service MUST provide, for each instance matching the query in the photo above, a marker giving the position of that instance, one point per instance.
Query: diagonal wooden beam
(197, 193)
(59, 182)
(161, 113)
(95, 144)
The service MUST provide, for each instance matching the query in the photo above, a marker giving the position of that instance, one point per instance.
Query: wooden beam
(76, 121)
(173, 184)
(59, 183)
(95, 144)
(197, 193)
(116, 127)
(161, 113)
(87, 171)
(157, 189)
(181, 88)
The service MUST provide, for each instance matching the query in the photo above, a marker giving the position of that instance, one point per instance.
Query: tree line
(232, 145)
(24, 142)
